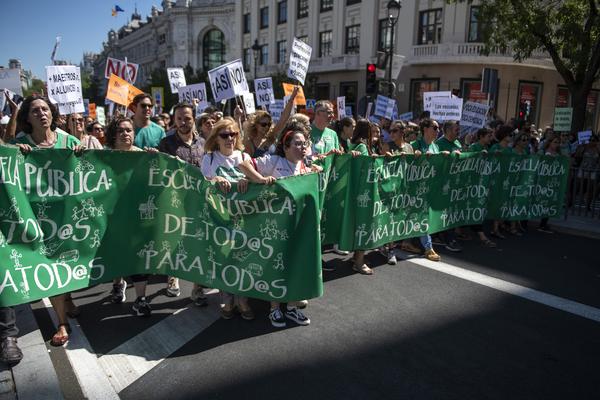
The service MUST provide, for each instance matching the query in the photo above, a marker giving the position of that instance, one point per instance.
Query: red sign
(474, 93)
(117, 67)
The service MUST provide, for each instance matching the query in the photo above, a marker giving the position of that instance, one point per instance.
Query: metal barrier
(583, 193)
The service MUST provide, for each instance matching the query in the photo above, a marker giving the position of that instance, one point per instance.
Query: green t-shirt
(148, 136)
(324, 140)
(476, 147)
(497, 148)
(360, 147)
(63, 140)
(446, 145)
(423, 147)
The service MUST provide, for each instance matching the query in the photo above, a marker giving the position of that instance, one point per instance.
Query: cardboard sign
(100, 116)
(127, 71)
(474, 114)
(158, 94)
(64, 88)
(228, 80)
(341, 107)
(249, 106)
(176, 79)
(584, 137)
(197, 91)
(10, 78)
(263, 88)
(429, 96)
(276, 109)
(406, 116)
(384, 106)
(299, 60)
(121, 91)
(446, 109)
(299, 100)
(562, 119)
(92, 110)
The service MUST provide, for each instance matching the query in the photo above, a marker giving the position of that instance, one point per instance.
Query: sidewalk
(577, 225)
(34, 377)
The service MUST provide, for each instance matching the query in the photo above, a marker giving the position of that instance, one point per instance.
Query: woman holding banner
(120, 136)
(37, 117)
(224, 153)
(504, 138)
(288, 160)
(261, 134)
(551, 148)
(76, 127)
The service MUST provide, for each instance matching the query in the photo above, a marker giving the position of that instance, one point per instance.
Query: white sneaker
(337, 250)
(173, 287)
(392, 257)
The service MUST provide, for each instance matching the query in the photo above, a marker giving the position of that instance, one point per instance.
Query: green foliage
(37, 86)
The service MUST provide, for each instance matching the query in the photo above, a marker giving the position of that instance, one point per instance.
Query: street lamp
(256, 49)
(393, 9)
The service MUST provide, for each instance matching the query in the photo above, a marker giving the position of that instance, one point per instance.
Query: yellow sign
(120, 91)
(300, 100)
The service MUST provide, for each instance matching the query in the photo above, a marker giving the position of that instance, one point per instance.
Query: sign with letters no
(120, 69)
(228, 80)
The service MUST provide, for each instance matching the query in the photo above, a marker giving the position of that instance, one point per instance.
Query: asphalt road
(407, 332)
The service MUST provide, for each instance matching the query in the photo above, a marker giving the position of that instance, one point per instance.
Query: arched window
(213, 49)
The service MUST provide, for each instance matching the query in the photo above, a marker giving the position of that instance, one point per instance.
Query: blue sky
(30, 27)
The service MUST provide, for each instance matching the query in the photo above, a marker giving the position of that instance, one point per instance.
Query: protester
(587, 157)
(288, 160)
(96, 130)
(224, 152)
(147, 133)
(9, 124)
(344, 129)
(551, 148)
(166, 117)
(10, 353)
(75, 126)
(158, 120)
(375, 142)
(204, 125)
(504, 140)
(37, 117)
(188, 146)
(449, 141)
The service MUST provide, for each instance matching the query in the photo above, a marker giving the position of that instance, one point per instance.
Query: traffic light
(371, 82)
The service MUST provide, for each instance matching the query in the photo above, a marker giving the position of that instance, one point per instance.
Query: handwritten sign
(384, 106)
(228, 80)
(299, 60)
(64, 88)
(276, 109)
(263, 88)
(584, 137)
(249, 106)
(446, 109)
(473, 114)
(176, 79)
(562, 119)
(187, 94)
(429, 96)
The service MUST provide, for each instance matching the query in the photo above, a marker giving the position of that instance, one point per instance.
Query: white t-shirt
(217, 164)
(278, 167)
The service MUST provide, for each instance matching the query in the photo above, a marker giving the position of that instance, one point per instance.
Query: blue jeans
(426, 242)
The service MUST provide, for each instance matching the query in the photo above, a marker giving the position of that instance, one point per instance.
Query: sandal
(363, 269)
(488, 243)
(60, 340)
(497, 234)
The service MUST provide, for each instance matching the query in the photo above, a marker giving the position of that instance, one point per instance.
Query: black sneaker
(199, 298)
(453, 246)
(297, 316)
(117, 294)
(327, 267)
(276, 318)
(10, 353)
(141, 307)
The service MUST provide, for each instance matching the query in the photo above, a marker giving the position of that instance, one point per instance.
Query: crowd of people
(254, 148)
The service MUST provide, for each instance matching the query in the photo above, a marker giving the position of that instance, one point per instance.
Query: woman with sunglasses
(288, 160)
(261, 134)
(96, 130)
(75, 126)
(224, 152)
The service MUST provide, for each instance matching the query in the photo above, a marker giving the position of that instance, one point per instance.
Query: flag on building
(116, 10)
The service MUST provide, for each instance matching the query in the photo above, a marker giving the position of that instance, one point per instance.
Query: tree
(569, 30)
(37, 87)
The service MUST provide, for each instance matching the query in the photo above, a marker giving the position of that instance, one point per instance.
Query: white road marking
(549, 300)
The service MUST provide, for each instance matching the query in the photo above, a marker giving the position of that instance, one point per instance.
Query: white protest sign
(127, 71)
(473, 114)
(11, 95)
(429, 96)
(187, 94)
(228, 80)
(100, 115)
(176, 79)
(276, 109)
(562, 119)
(584, 137)
(341, 107)
(384, 106)
(263, 88)
(10, 78)
(64, 88)
(446, 109)
(299, 60)
(249, 106)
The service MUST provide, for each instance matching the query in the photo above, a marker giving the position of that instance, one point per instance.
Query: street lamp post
(256, 49)
(393, 8)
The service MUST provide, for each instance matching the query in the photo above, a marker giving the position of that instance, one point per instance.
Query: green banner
(69, 222)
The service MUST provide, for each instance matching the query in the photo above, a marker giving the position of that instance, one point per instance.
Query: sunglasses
(227, 135)
(78, 120)
(145, 105)
(300, 143)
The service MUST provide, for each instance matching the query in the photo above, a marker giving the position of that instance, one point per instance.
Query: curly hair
(23, 115)
(111, 130)
(212, 144)
(250, 130)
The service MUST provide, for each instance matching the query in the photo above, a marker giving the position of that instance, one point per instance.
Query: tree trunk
(579, 96)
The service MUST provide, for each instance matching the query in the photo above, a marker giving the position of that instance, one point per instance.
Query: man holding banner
(147, 133)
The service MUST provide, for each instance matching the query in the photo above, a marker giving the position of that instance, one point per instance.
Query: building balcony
(335, 63)
(470, 53)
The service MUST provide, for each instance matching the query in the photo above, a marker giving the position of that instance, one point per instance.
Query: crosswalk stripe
(547, 299)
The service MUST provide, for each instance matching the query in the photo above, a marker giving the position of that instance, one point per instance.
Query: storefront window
(528, 101)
